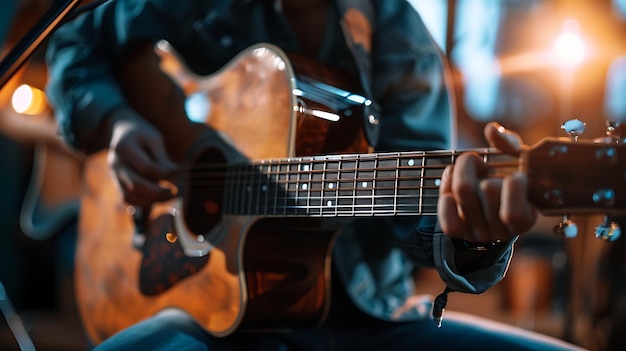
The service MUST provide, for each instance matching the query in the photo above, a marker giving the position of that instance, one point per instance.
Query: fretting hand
(477, 208)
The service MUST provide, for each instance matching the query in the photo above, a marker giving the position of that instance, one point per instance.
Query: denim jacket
(399, 67)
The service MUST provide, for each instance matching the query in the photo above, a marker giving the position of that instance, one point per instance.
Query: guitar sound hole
(204, 194)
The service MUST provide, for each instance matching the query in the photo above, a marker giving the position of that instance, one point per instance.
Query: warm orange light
(28, 100)
(171, 237)
(569, 48)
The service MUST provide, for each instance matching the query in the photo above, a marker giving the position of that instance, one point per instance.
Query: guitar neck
(386, 184)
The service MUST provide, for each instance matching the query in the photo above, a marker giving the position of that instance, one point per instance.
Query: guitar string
(253, 176)
(312, 204)
(254, 168)
(344, 158)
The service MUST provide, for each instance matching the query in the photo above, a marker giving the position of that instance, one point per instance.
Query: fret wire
(421, 188)
(278, 188)
(322, 188)
(296, 189)
(306, 176)
(273, 180)
(298, 197)
(285, 173)
(287, 189)
(302, 175)
(354, 185)
(306, 173)
(285, 186)
(308, 188)
(355, 182)
(338, 175)
(374, 174)
(396, 182)
(317, 190)
(317, 186)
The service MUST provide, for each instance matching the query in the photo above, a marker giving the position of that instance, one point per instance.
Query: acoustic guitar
(275, 156)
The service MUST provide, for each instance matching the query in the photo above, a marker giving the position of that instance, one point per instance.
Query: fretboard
(344, 185)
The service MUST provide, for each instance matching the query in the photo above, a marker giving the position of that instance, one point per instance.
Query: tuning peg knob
(613, 131)
(574, 128)
(608, 230)
(566, 228)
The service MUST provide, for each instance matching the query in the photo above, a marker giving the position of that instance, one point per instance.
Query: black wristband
(474, 246)
(472, 256)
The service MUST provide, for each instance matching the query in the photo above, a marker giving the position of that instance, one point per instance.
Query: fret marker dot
(264, 187)
(331, 185)
(364, 184)
(305, 167)
(304, 186)
(329, 203)
(411, 162)
(438, 182)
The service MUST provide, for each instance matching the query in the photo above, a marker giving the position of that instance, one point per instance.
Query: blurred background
(529, 64)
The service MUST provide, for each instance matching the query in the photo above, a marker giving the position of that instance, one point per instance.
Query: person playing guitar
(263, 221)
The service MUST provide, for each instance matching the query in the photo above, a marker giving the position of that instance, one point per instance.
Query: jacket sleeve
(409, 82)
(490, 267)
(82, 56)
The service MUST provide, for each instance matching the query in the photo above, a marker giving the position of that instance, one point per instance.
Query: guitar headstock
(568, 176)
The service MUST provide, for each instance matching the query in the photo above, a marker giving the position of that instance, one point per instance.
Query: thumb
(503, 139)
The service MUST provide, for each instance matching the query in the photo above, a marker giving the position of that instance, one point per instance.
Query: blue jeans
(174, 330)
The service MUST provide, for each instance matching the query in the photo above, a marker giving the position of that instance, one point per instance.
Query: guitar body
(229, 272)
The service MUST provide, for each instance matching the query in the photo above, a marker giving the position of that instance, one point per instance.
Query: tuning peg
(613, 131)
(608, 230)
(574, 128)
(566, 228)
